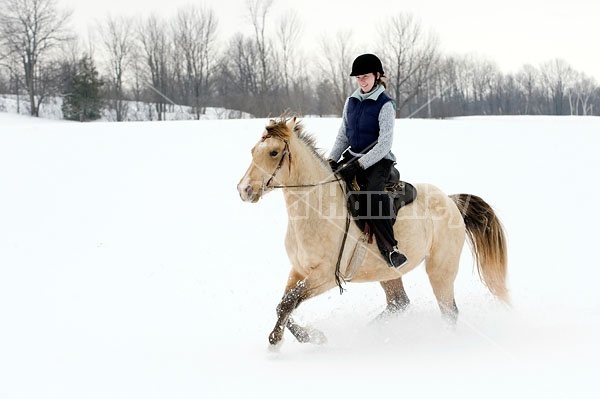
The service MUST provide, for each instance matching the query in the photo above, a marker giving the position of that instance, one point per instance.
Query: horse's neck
(307, 205)
(306, 168)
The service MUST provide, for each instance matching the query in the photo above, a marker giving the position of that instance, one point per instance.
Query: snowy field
(129, 268)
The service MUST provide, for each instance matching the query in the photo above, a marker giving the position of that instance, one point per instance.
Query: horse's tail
(488, 242)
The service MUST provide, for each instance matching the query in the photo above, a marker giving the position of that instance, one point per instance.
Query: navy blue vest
(362, 128)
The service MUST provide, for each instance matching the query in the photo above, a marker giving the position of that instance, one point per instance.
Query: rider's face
(366, 82)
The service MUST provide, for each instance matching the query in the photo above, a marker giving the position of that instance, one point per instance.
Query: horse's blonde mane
(278, 128)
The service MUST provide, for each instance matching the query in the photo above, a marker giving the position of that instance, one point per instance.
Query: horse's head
(271, 160)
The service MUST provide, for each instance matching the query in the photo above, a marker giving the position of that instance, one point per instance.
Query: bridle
(286, 151)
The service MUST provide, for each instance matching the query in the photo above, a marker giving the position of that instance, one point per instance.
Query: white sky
(510, 32)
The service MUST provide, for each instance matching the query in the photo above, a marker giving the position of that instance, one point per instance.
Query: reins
(308, 185)
(338, 278)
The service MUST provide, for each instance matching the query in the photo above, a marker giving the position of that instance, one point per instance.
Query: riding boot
(388, 246)
(383, 226)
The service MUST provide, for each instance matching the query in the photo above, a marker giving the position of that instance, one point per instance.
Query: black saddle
(402, 194)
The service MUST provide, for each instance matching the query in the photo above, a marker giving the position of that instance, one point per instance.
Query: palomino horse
(319, 238)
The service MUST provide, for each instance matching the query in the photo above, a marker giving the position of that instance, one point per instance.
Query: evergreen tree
(83, 102)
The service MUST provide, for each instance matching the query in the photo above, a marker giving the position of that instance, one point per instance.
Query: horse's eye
(274, 153)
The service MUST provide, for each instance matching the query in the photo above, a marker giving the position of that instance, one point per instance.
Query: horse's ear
(291, 124)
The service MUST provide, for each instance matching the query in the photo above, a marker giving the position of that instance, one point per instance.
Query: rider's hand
(333, 164)
(349, 170)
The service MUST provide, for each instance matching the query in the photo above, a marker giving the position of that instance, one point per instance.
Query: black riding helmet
(366, 63)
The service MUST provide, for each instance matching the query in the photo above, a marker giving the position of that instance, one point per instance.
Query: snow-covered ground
(129, 268)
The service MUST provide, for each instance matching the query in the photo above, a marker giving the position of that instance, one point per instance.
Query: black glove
(349, 170)
(334, 165)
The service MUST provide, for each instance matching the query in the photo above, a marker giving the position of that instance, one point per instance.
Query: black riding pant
(375, 205)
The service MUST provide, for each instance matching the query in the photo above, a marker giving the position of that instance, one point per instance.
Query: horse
(320, 240)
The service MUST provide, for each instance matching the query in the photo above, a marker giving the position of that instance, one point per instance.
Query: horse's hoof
(275, 336)
(303, 336)
(275, 348)
(317, 337)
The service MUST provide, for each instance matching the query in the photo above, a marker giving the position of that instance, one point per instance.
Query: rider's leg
(381, 211)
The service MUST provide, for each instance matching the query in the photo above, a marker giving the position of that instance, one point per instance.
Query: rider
(365, 141)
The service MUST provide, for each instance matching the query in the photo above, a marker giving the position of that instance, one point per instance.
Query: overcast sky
(509, 32)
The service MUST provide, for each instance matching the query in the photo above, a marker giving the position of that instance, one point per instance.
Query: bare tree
(194, 31)
(528, 82)
(443, 87)
(288, 32)
(453, 85)
(485, 81)
(480, 88)
(409, 55)
(29, 30)
(580, 94)
(334, 69)
(258, 11)
(117, 38)
(556, 78)
(5, 82)
(238, 84)
(156, 52)
(510, 97)
(13, 67)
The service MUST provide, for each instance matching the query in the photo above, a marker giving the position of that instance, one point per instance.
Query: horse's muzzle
(247, 193)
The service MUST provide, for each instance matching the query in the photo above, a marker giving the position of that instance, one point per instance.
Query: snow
(129, 267)
(136, 111)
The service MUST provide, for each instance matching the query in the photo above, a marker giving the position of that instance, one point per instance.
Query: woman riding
(365, 141)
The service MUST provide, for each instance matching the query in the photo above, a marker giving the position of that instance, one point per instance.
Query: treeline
(180, 59)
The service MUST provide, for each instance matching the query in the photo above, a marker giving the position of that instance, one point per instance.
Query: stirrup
(401, 259)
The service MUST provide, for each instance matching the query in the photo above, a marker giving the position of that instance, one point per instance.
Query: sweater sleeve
(341, 141)
(387, 118)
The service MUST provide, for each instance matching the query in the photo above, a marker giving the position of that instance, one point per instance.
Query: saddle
(402, 193)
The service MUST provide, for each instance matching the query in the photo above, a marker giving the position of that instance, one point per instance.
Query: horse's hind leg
(442, 274)
(396, 297)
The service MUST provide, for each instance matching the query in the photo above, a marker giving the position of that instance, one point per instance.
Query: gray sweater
(383, 148)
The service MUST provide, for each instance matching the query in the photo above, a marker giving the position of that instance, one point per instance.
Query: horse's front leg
(297, 290)
(292, 297)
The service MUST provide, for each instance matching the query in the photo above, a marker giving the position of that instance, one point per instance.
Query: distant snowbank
(136, 111)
